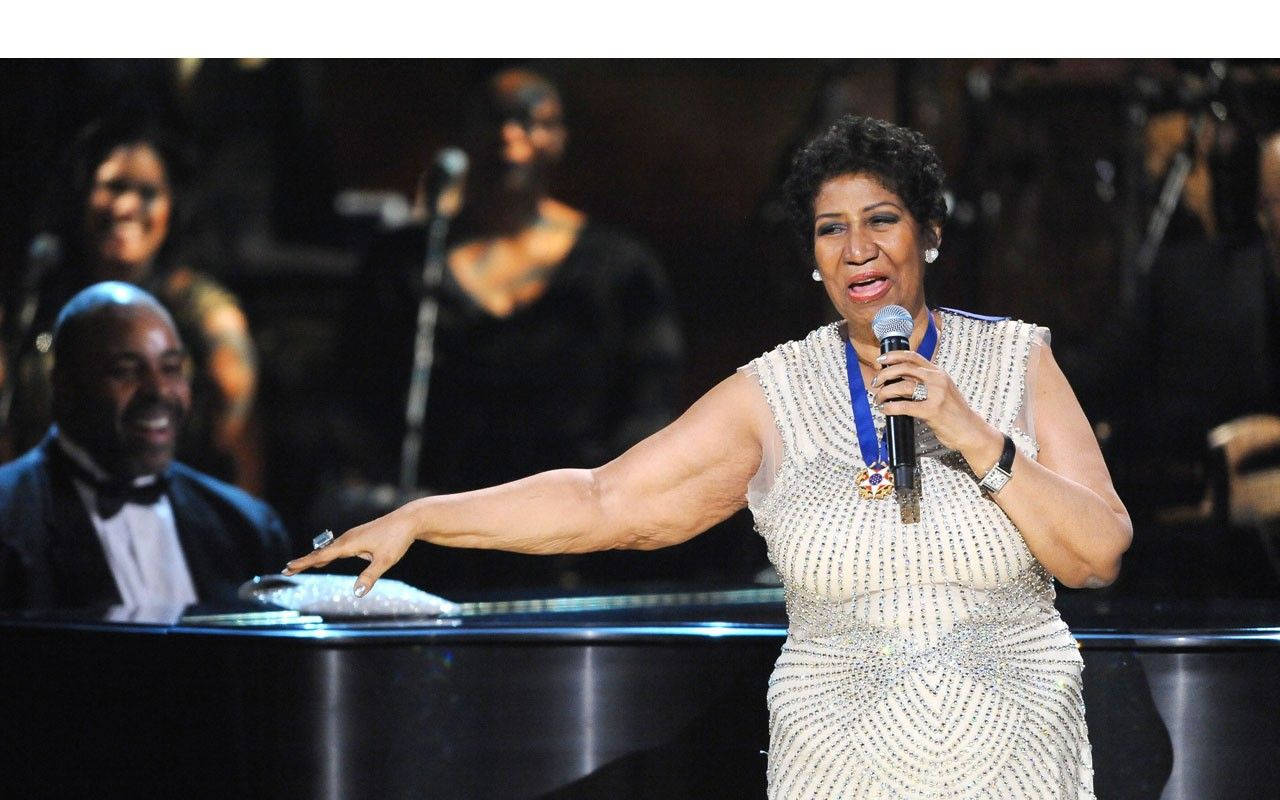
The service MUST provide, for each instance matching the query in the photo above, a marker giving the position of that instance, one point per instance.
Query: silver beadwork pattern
(922, 660)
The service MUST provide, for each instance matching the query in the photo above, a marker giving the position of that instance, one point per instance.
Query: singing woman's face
(868, 247)
(127, 212)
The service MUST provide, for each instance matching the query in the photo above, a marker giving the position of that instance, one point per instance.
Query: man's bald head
(109, 298)
(120, 386)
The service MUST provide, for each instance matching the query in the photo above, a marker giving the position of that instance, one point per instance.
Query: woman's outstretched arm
(665, 490)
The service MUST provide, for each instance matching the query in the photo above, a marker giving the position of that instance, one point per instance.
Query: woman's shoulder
(200, 304)
(958, 322)
(190, 288)
(817, 348)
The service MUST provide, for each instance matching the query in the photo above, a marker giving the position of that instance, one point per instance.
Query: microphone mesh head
(892, 321)
(452, 161)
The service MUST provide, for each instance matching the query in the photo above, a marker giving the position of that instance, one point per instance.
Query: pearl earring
(817, 276)
(931, 255)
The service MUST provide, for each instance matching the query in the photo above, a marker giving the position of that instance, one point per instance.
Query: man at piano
(99, 513)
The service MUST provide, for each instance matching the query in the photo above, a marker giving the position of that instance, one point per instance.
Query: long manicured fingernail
(361, 589)
(288, 570)
(875, 381)
(880, 358)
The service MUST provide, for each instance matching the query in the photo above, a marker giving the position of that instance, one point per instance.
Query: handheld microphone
(892, 325)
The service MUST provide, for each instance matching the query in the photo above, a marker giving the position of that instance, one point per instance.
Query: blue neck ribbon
(873, 448)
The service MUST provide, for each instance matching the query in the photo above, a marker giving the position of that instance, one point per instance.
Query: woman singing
(924, 656)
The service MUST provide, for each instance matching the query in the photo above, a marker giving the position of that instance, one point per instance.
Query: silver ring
(921, 392)
(323, 539)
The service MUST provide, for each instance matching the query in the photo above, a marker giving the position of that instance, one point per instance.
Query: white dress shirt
(141, 542)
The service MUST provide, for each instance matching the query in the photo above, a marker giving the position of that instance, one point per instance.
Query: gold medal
(875, 481)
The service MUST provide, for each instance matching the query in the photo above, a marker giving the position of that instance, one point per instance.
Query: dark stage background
(1051, 196)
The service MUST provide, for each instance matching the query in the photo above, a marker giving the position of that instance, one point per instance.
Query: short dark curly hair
(63, 209)
(898, 157)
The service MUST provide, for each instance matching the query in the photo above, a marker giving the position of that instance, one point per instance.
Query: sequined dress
(926, 659)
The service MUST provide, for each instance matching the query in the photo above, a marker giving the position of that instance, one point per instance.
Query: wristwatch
(1001, 472)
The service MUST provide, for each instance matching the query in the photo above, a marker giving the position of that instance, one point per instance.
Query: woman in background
(557, 340)
(115, 217)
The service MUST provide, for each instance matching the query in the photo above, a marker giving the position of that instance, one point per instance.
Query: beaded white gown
(922, 660)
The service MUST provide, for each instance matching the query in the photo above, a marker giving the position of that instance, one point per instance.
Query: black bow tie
(111, 494)
(111, 497)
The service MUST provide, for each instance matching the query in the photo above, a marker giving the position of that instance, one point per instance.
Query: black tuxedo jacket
(51, 557)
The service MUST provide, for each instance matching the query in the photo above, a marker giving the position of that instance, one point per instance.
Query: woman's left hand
(943, 407)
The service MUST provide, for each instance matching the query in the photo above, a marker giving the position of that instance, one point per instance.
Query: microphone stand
(415, 409)
(1175, 178)
(43, 254)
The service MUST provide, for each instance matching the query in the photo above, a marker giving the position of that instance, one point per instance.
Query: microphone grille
(452, 161)
(892, 321)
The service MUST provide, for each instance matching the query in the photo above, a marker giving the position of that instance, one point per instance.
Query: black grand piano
(646, 695)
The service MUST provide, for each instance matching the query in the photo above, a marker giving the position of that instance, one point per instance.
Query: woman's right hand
(382, 542)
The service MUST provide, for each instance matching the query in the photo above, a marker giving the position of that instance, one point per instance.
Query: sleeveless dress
(926, 659)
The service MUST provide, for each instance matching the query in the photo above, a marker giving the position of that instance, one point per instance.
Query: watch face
(994, 480)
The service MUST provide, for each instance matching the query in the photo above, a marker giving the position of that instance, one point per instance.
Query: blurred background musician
(116, 214)
(1269, 197)
(557, 340)
(99, 513)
